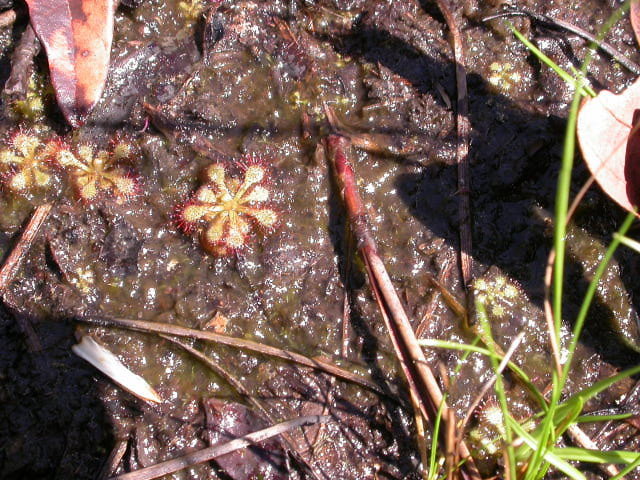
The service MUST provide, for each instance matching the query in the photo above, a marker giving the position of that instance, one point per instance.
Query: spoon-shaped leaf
(76, 35)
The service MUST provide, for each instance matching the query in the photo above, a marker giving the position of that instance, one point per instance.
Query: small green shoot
(500, 391)
(577, 83)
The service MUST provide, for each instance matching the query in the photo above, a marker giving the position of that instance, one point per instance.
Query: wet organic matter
(248, 78)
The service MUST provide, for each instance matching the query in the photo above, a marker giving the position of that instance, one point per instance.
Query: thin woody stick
(421, 379)
(246, 396)
(14, 260)
(207, 454)
(11, 266)
(167, 329)
(462, 150)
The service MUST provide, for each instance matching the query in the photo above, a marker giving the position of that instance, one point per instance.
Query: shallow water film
(221, 106)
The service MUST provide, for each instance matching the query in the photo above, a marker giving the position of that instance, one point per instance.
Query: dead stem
(28, 47)
(419, 376)
(485, 388)
(207, 454)
(15, 258)
(154, 327)
(11, 266)
(344, 344)
(462, 151)
(115, 457)
(581, 439)
(7, 18)
(423, 325)
(24, 322)
(375, 143)
(421, 436)
(548, 312)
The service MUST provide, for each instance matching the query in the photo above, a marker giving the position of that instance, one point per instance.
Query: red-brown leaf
(76, 35)
(634, 14)
(610, 143)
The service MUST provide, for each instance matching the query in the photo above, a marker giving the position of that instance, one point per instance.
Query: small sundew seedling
(225, 209)
(26, 161)
(34, 105)
(95, 173)
(490, 416)
(497, 293)
(503, 76)
(489, 433)
(192, 9)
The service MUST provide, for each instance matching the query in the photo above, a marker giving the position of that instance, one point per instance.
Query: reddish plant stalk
(419, 376)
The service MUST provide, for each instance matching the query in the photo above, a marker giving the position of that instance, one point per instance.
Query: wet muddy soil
(198, 82)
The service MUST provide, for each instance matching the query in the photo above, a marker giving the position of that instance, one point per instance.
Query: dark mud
(191, 86)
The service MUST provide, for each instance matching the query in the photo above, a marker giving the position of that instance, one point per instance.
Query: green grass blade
(627, 242)
(631, 467)
(605, 383)
(433, 470)
(598, 387)
(577, 84)
(498, 387)
(596, 456)
(549, 456)
(602, 418)
(549, 436)
(433, 454)
(432, 343)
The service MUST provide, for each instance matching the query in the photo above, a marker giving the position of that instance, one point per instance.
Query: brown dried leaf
(610, 143)
(76, 35)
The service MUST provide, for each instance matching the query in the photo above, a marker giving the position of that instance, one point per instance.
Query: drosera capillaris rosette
(229, 206)
(96, 174)
(25, 160)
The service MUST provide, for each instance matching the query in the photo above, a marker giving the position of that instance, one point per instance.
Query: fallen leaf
(109, 364)
(76, 35)
(634, 14)
(610, 143)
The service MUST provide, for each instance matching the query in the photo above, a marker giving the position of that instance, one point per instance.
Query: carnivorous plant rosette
(99, 172)
(224, 209)
(25, 161)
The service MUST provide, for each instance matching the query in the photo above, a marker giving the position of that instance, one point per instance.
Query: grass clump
(530, 447)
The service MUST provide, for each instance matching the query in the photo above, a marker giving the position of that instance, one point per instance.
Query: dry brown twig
(114, 459)
(420, 378)
(207, 454)
(11, 266)
(28, 47)
(167, 329)
(487, 386)
(7, 18)
(423, 325)
(15, 258)
(462, 150)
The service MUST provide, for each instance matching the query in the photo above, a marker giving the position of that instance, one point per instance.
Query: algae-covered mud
(246, 86)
